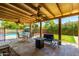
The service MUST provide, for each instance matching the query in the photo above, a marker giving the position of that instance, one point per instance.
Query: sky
(67, 19)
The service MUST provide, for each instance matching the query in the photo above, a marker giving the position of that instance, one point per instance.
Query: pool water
(13, 34)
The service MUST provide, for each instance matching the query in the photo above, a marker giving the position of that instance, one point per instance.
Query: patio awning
(24, 11)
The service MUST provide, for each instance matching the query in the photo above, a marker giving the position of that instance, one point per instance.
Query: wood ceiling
(23, 11)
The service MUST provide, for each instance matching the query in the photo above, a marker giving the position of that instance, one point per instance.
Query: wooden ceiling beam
(17, 8)
(31, 6)
(26, 13)
(47, 9)
(59, 8)
(63, 16)
(15, 12)
(15, 17)
(35, 8)
(6, 17)
(27, 8)
(14, 9)
(10, 11)
(11, 14)
(25, 21)
(27, 18)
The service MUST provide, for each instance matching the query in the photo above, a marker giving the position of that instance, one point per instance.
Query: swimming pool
(14, 34)
(11, 34)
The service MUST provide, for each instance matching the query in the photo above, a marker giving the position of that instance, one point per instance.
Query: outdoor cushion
(48, 37)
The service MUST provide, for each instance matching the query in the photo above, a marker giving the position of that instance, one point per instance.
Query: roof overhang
(23, 11)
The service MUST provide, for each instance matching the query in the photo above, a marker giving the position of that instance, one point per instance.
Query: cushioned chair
(49, 39)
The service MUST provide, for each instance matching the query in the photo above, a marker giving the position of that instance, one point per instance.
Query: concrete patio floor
(27, 48)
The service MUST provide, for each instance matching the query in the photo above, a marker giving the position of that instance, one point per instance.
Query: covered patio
(38, 12)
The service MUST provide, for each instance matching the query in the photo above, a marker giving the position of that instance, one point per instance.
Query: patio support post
(17, 33)
(17, 30)
(30, 29)
(59, 31)
(40, 29)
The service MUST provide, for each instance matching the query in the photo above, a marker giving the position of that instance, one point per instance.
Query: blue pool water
(12, 34)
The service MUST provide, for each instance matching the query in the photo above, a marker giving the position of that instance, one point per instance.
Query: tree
(35, 27)
(12, 25)
(46, 24)
(49, 26)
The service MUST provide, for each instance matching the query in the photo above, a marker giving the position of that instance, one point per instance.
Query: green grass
(66, 38)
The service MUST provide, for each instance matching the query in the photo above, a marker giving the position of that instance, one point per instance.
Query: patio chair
(23, 37)
(49, 39)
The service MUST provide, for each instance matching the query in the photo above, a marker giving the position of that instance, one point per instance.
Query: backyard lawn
(66, 38)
